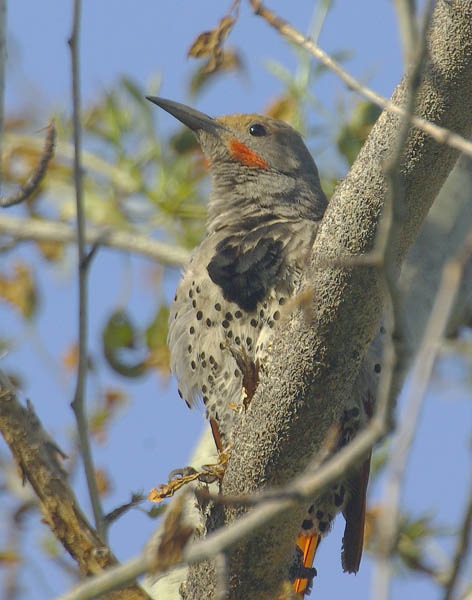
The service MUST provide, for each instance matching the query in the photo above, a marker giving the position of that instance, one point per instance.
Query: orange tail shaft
(308, 545)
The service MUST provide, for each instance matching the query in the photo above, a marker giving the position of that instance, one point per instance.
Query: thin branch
(462, 547)
(79, 396)
(440, 134)
(65, 153)
(222, 577)
(3, 52)
(406, 15)
(33, 182)
(394, 207)
(421, 374)
(121, 239)
(39, 461)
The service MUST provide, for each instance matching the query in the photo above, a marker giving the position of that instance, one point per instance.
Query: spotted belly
(216, 347)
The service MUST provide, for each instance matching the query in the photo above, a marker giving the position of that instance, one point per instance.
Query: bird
(265, 206)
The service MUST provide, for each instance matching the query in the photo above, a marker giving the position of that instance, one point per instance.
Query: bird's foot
(180, 477)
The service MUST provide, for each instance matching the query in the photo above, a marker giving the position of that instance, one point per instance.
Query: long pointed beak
(190, 117)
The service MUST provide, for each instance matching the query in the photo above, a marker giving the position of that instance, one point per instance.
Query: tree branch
(78, 404)
(130, 241)
(3, 44)
(435, 331)
(441, 134)
(463, 545)
(32, 183)
(37, 458)
(406, 15)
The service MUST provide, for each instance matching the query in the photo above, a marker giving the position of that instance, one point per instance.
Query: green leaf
(118, 335)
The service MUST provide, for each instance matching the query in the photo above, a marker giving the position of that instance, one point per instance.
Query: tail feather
(308, 545)
(354, 513)
(216, 435)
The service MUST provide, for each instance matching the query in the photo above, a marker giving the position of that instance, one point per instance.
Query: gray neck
(240, 194)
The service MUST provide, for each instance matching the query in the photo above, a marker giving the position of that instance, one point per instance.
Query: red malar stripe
(246, 155)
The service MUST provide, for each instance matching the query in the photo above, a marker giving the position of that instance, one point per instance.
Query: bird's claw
(180, 477)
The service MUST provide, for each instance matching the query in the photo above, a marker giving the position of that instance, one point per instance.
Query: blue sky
(143, 40)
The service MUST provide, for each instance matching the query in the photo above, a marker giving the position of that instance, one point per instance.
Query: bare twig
(3, 44)
(406, 15)
(119, 511)
(421, 373)
(64, 153)
(38, 459)
(79, 396)
(32, 184)
(394, 208)
(222, 577)
(131, 241)
(440, 134)
(462, 547)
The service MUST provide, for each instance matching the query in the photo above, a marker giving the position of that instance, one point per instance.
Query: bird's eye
(257, 130)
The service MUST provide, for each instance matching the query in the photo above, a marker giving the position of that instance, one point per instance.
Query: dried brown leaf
(9, 557)
(19, 289)
(51, 251)
(209, 44)
(70, 357)
(103, 482)
(283, 108)
(174, 538)
(228, 60)
(208, 41)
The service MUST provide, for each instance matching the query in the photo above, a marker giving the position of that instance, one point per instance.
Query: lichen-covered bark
(313, 364)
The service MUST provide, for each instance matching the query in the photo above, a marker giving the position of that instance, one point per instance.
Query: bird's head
(256, 163)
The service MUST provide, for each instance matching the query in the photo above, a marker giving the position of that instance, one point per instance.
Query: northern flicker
(265, 206)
